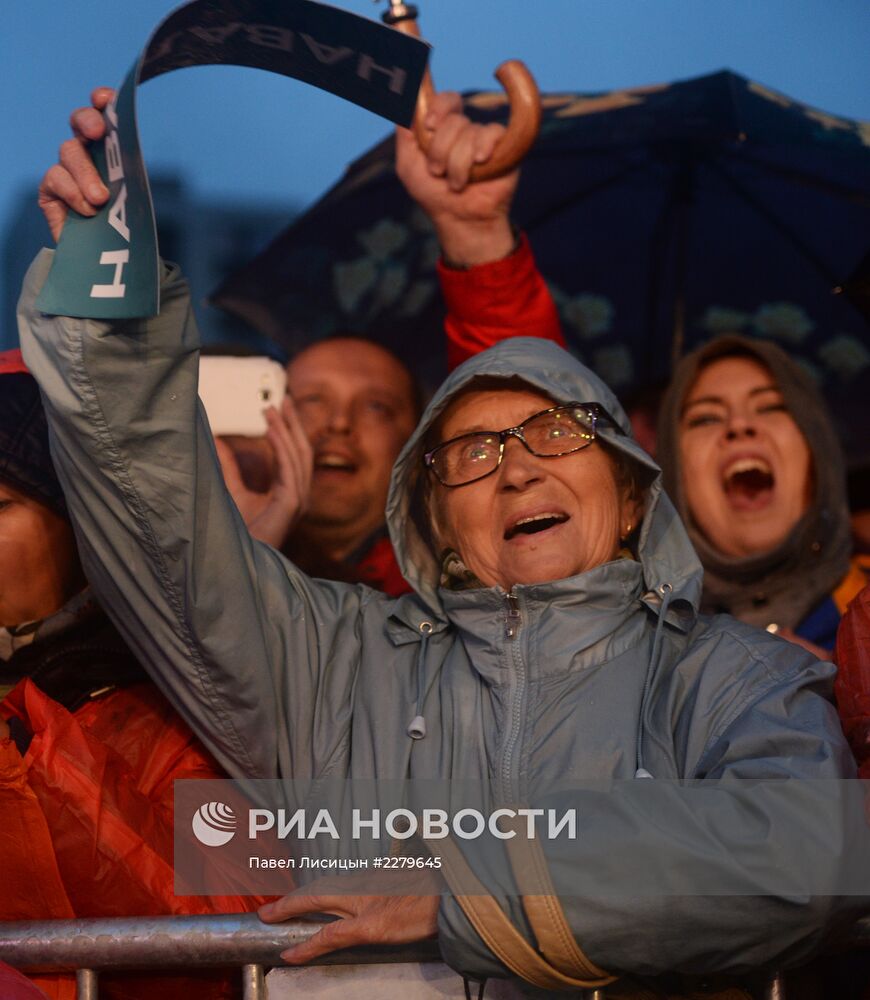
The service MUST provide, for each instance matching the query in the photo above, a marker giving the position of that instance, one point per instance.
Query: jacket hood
(785, 584)
(664, 550)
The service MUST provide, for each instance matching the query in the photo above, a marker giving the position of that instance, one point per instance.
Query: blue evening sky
(243, 134)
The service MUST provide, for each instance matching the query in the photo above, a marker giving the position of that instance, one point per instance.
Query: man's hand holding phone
(270, 516)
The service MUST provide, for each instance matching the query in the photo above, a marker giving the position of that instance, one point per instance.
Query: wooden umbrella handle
(522, 93)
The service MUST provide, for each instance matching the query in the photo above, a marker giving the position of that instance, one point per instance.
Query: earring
(628, 528)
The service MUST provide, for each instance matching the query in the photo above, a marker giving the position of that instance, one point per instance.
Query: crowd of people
(498, 584)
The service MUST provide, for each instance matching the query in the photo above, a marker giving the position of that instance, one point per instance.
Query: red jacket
(852, 686)
(14, 986)
(87, 820)
(378, 568)
(492, 302)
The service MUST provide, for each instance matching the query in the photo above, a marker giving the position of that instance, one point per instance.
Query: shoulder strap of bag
(543, 909)
(499, 934)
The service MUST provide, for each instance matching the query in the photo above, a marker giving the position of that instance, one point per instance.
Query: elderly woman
(753, 463)
(553, 636)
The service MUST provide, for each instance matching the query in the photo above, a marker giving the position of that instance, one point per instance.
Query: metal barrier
(89, 946)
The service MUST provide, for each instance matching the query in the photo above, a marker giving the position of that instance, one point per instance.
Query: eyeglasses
(561, 430)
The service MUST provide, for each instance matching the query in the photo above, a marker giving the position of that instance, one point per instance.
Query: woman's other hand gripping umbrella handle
(521, 90)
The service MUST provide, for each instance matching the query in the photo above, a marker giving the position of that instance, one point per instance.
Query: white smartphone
(236, 391)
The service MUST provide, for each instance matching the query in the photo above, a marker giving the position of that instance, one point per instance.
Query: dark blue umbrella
(660, 216)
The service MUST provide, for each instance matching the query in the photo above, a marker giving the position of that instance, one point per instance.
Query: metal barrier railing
(90, 946)
(242, 940)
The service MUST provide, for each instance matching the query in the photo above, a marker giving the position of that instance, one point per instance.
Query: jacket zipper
(513, 621)
(513, 618)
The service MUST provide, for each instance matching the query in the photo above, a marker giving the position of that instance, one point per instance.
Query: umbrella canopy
(660, 217)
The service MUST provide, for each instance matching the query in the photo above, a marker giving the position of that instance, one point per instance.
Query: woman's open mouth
(534, 524)
(748, 483)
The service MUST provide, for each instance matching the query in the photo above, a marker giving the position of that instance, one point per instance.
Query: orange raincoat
(87, 822)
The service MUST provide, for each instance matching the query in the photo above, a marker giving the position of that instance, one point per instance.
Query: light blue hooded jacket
(607, 672)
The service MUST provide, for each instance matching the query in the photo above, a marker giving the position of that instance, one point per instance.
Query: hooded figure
(606, 675)
(790, 583)
(89, 749)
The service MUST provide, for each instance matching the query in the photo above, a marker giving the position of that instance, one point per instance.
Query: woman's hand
(365, 919)
(471, 220)
(74, 182)
(271, 516)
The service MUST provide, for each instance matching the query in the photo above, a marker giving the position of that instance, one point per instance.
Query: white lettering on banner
(113, 155)
(118, 213)
(117, 289)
